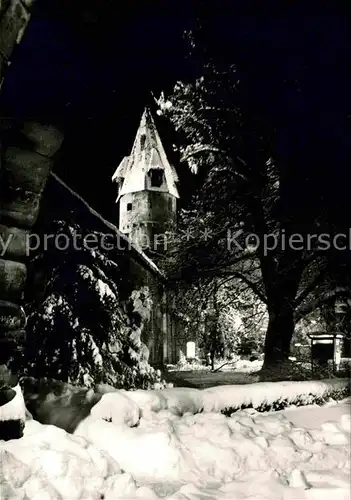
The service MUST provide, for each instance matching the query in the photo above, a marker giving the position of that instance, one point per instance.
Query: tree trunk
(281, 296)
(24, 172)
(212, 359)
(282, 279)
(279, 334)
(276, 365)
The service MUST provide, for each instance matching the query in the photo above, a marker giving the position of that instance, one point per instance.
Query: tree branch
(252, 285)
(305, 293)
(202, 149)
(313, 305)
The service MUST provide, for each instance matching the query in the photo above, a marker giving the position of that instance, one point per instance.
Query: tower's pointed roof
(147, 153)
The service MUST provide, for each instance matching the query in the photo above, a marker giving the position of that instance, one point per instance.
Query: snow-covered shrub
(329, 394)
(79, 329)
(185, 364)
(345, 366)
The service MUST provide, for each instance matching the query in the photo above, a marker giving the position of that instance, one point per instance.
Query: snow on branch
(321, 299)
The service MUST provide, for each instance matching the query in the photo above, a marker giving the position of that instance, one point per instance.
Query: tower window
(156, 177)
(129, 207)
(142, 141)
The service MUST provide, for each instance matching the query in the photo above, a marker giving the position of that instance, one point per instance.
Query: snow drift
(209, 456)
(173, 444)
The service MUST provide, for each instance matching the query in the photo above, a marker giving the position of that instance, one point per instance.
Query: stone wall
(14, 17)
(152, 213)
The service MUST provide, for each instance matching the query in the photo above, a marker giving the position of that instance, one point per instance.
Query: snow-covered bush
(79, 329)
(188, 365)
(275, 396)
(300, 400)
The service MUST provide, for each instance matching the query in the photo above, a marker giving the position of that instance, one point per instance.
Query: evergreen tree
(242, 221)
(79, 330)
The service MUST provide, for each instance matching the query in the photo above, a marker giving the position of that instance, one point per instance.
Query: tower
(147, 191)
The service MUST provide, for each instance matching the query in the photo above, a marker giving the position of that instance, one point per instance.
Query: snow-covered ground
(179, 454)
(237, 364)
(237, 371)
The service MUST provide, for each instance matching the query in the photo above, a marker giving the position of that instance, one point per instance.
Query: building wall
(152, 213)
(153, 334)
(164, 333)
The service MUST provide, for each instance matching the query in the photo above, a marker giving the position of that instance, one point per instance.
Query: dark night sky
(97, 90)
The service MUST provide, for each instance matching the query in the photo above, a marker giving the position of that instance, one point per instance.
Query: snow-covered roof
(325, 335)
(121, 169)
(147, 153)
